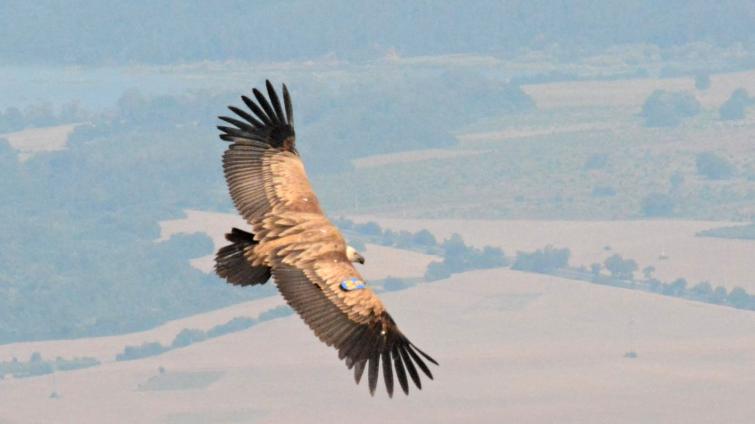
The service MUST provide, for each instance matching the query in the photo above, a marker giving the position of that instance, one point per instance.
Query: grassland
(536, 164)
(35, 140)
(671, 247)
(512, 347)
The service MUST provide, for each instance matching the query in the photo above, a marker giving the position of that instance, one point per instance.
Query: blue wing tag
(352, 284)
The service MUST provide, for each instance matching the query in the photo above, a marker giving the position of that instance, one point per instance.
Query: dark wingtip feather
(243, 114)
(265, 106)
(240, 125)
(400, 371)
(419, 362)
(359, 371)
(256, 109)
(388, 373)
(410, 367)
(287, 104)
(275, 102)
(234, 132)
(428, 357)
(372, 373)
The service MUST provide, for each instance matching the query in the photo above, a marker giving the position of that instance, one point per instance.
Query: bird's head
(353, 255)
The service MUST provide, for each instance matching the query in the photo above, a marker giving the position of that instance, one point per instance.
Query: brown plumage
(302, 249)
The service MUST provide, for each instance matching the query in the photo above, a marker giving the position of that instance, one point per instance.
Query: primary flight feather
(293, 241)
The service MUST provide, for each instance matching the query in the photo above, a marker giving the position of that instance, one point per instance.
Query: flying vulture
(293, 241)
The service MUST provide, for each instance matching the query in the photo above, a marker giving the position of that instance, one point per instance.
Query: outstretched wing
(262, 167)
(331, 297)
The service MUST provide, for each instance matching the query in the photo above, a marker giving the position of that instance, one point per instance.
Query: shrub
(276, 312)
(702, 81)
(343, 223)
(424, 238)
(648, 271)
(188, 336)
(368, 229)
(236, 324)
(620, 268)
(404, 239)
(458, 257)
(675, 288)
(144, 350)
(703, 290)
(657, 204)
(667, 108)
(490, 257)
(437, 271)
(515, 99)
(739, 298)
(395, 284)
(736, 106)
(389, 238)
(655, 285)
(76, 363)
(543, 261)
(714, 167)
(719, 295)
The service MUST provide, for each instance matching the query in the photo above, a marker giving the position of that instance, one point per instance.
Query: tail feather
(232, 264)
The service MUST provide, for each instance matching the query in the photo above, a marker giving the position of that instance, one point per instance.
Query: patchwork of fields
(512, 347)
(669, 246)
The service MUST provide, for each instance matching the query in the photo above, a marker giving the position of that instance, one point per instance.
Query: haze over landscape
(556, 202)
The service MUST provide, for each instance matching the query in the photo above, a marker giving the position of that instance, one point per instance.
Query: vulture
(293, 241)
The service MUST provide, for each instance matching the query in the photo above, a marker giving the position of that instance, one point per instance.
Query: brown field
(539, 131)
(105, 348)
(411, 156)
(35, 140)
(513, 347)
(632, 93)
(721, 261)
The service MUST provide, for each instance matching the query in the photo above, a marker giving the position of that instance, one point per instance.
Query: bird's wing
(264, 179)
(331, 297)
(270, 189)
(261, 166)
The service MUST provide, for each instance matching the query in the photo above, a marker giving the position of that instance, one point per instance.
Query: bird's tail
(232, 264)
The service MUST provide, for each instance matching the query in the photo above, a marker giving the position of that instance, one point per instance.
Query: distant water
(94, 87)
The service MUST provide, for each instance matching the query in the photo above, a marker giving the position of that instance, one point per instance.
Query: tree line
(459, 257)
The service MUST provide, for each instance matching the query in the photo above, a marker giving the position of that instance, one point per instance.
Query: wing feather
(265, 106)
(387, 372)
(362, 332)
(261, 178)
(359, 370)
(289, 108)
(400, 371)
(275, 101)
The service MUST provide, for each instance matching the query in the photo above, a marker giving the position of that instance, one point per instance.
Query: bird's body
(293, 241)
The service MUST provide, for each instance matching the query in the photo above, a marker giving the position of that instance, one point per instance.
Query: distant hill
(141, 31)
